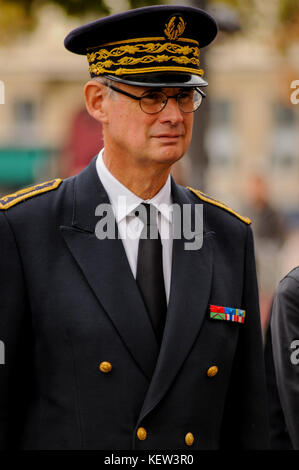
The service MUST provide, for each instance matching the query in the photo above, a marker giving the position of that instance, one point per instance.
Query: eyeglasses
(152, 101)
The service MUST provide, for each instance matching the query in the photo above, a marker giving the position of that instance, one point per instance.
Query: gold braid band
(143, 60)
(132, 54)
(139, 48)
(98, 70)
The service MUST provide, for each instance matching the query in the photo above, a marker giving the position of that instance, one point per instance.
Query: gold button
(141, 434)
(105, 367)
(189, 439)
(212, 371)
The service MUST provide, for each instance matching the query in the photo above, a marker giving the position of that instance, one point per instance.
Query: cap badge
(174, 28)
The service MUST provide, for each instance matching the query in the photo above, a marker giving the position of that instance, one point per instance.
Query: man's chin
(169, 154)
(169, 150)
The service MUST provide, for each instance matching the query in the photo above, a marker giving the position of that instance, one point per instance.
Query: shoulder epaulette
(11, 199)
(209, 199)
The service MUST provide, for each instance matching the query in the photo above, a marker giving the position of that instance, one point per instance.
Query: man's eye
(186, 95)
(153, 96)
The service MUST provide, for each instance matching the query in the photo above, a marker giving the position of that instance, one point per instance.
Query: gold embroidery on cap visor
(160, 56)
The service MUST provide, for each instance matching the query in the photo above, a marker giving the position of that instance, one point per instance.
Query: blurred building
(253, 124)
(45, 129)
(254, 129)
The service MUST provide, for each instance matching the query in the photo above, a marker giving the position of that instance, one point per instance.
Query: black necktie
(149, 276)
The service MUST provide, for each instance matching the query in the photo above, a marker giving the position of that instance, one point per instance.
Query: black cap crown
(156, 46)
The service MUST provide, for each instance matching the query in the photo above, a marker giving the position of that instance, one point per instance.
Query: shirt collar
(124, 201)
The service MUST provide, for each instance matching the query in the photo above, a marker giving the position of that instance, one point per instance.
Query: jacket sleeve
(245, 423)
(285, 339)
(12, 337)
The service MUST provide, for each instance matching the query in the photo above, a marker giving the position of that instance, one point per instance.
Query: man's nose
(171, 112)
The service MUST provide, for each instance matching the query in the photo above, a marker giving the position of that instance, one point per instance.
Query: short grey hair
(106, 81)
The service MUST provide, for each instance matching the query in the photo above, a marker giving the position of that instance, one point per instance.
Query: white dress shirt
(123, 203)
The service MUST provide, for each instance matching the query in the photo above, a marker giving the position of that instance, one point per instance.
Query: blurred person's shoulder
(291, 275)
(287, 293)
(285, 305)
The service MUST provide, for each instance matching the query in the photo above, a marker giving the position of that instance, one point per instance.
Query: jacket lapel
(105, 266)
(189, 295)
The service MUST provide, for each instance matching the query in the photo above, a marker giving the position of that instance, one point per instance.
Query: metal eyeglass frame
(139, 98)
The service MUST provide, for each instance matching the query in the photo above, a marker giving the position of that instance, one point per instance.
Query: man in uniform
(285, 345)
(145, 342)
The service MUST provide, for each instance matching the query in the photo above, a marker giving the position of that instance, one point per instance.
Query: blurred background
(245, 149)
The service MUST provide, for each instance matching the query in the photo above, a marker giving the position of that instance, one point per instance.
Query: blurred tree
(14, 14)
(286, 26)
(144, 3)
(22, 15)
(289, 21)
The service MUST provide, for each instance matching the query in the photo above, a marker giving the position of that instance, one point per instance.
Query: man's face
(147, 139)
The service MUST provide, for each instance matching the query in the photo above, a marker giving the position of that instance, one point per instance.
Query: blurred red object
(85, 141)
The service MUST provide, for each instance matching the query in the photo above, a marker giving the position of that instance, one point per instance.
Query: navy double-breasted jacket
(69, 302)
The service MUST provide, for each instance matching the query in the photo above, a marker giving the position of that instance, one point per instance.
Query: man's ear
(95, 94)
